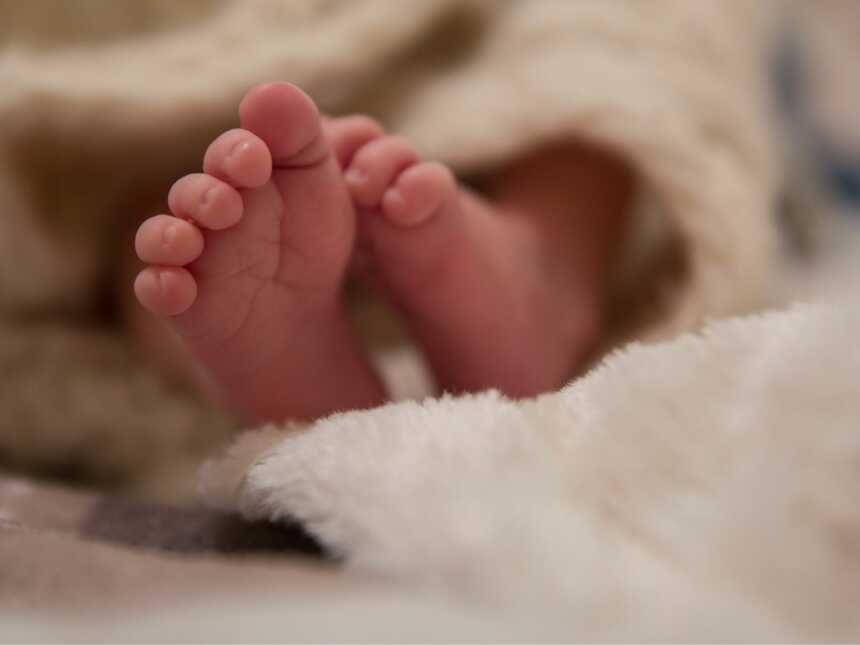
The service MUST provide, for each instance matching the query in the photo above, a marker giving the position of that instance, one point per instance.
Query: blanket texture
(105, 103)
(698, 490)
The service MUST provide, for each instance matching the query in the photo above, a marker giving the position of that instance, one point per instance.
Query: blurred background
(817, 97)
(78, 173)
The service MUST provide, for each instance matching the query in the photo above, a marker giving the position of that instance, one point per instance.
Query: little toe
(165, 291)
(240, 158)
(418, 193)
(375, 167)
(348, 134)
(209, 202)
(168, 240)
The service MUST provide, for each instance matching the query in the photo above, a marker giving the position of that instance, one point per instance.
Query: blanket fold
(669, 488)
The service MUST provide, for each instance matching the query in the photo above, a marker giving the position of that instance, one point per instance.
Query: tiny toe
(349, 133)
(168, 240)
(209, 202)
(240, 158)
(375, 166)
(165, 291)
(418, 193)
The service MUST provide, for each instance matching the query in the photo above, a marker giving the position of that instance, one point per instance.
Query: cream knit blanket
(104, 103)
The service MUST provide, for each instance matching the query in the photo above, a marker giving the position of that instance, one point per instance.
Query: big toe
(287, 120)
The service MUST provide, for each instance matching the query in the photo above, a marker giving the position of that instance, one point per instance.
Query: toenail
(393, 198)
(355, 175)
(206, 197)
(168, 235)
(162, 282)
(239, 148)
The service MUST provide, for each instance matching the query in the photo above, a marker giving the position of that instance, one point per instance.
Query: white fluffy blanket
(702, 489)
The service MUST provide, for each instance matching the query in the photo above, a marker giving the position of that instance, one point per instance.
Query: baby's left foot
(497, 297)
(249, 266)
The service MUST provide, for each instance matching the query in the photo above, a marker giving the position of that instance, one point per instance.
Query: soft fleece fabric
(703, 489)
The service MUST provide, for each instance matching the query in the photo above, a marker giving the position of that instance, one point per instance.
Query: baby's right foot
(250, 266)
(502, 298)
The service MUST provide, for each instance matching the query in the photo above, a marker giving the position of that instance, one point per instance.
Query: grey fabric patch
(190, 530)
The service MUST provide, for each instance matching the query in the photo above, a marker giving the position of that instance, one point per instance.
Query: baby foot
(250, 265)
(488, 294)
